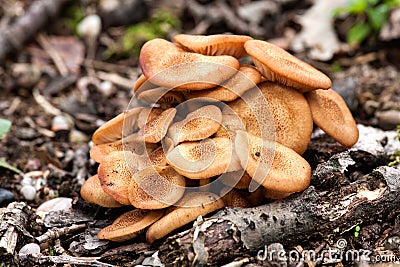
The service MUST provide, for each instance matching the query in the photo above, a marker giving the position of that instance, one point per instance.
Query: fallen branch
(234, 231)
(28, 25)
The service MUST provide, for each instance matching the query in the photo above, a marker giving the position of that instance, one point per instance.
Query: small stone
(29, 249)
(106, 88)
(90, 26)
(28, 192)
(346, 88)
(6, 197)
(60, 123)
(388, 119)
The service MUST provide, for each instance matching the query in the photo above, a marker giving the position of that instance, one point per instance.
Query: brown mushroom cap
(191, 206)
(92, 192)
(148, 114)
(214, 45)
(233, 198)
(115, 174)
(156, 189)
(232, 179)
(197, 125)
(245, 78)
(99, 152)
(203, 159)
(290, 111)
(155, 130)
(112, 130)
(129, 225)
(278, 65)
(331, 114)
(170, 66)
(272, 165)
(162, 96)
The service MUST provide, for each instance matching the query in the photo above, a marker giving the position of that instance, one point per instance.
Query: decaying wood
(55, 233)
(14, 221)
(26, 26)
(235, 231)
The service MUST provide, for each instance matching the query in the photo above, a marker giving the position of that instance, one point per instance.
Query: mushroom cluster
(206, 131)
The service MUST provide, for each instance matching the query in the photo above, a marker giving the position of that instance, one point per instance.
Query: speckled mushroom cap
(233, 198)
(154, 130)
(203, 159)
(331, 114)
(167, 65)
(246, 78)
(92, 192)
(214, 45)
(290, 111)
(129, 225)
(272, 165)
(191, 206)
(115, 174)
(156, 189)
(232, 179)
(279, 66)
(197, 125)
(112, 130)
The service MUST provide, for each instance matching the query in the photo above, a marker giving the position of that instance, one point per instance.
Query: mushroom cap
(331, 114)
(156, 189)
(214, 45)
(191, 206)
(113, 129)
(142, 81)
(290, 111)
(148, 114)
(129, 225)
(167, 65)
(238, 179)
(156, 157)
(233, 198)
(246, 77)
(115, 174)
(92, 192)
(278, 65)
(203, 159)
(197, 125)
(99, 152)
(154, 130)
(271, 164)
(162, 96)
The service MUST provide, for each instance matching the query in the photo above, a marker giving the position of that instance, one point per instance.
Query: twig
(54, 55)
(57, 232)
(66, 259)
(27, 25)
(105, 66)
(116, 79)
(42, 101)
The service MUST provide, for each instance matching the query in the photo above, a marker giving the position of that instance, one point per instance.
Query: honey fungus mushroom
(204, 121)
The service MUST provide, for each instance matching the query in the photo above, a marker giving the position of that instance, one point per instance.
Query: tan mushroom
(197, 125)
(148, 114)
(156, 188)
(162, 96)
(170, 66)
(289, 109)
(246, 78)
(233, 198)
(115, 174)
(203, 159)
(271, 164)
(113, 129)
(156, 129)
(92, 192)
(331, 114)
(271, 194)
(214, 45)
(238, 179)
(279, 66)
(129, 225)
(191, 206)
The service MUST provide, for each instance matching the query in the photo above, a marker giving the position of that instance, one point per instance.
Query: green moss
(74, 14)
(136, 35)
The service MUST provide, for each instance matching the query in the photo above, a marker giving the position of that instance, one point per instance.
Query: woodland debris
(28, 24)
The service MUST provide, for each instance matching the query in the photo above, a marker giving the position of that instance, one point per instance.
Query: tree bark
(234, 231)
